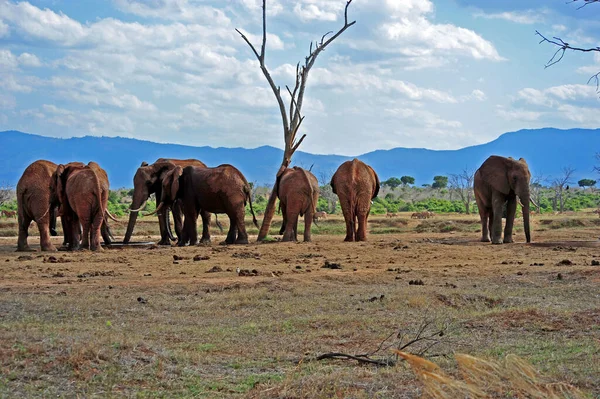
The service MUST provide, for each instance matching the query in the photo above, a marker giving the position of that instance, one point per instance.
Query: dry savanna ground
(147, 321)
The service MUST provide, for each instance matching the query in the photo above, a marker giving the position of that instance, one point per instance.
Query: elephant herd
(188, 189)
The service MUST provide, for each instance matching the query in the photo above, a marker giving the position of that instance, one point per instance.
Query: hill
(547, 151)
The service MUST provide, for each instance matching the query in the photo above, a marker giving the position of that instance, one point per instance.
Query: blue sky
(411, 73)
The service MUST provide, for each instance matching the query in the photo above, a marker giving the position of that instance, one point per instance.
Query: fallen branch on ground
(429, 334)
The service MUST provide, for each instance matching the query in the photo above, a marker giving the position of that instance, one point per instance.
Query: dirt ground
(249, 321)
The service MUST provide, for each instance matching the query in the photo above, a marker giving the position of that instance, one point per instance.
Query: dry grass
(514, 377)
(73, 325)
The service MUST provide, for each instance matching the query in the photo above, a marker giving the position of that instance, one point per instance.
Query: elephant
(107, 236)
(356, 185)
(501, 180)
(298, 193)
(222, 189)
(78, 190)
(148, 180)
(34, 204)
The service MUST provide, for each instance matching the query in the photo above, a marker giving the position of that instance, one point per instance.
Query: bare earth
(154, 322)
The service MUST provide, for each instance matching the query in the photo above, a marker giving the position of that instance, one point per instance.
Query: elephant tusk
(139, 209)
(158, 208)
(533, 202)
(111, 216)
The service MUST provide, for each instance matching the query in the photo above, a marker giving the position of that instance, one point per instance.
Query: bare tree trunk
(291, 123)
(270, 209)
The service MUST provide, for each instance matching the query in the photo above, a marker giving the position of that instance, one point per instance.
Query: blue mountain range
(547, 152)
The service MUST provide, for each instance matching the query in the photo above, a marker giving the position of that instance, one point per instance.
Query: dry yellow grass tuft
(487, 379)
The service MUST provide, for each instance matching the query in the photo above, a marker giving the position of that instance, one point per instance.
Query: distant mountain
(547, 151)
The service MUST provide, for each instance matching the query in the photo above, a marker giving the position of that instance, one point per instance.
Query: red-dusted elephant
(298, 193)
(148, 180)
(79, 192)
(222, 189)
(356, 184)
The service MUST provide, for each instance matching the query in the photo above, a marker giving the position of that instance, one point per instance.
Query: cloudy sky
(413, 73)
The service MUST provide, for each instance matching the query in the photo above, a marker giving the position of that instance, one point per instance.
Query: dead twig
(429, 334)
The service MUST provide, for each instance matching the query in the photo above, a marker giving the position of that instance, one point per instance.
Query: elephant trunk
(132, 219)
(168, 223)
(525, 201)
(137, 203)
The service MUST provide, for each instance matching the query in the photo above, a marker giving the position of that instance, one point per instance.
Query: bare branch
(290, 126)
(7, 192)
(585, 3)
(429, 334)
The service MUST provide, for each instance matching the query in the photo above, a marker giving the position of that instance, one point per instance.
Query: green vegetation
(406, 180)
(440, 182)
(586, 183)
(392, 182)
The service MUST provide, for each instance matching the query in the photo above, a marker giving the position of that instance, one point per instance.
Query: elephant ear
(173, 181)
(495, 172)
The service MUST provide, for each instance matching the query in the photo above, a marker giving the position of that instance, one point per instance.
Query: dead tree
(6, 192)
(536, 188)
(462, 184)
(292, 116)
(564, 46)
(561, 184)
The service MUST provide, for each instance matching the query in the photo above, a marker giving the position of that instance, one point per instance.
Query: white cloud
(527, 17)
(518, 114)
(407, 29)
(7, 101)
(97, 93)
(177, 10)
(478, 95)
(4, 29)
(10, 83)
(274, 8)
(423, 118)
(7, 60)
(93, 122)
(320, 12)
(30, 60)
(553, 96)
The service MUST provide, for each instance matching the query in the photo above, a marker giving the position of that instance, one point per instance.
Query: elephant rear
(356, 184)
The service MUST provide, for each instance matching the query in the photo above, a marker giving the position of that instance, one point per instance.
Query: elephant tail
(248, 193)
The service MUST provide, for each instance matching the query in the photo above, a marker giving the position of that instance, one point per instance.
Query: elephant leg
(511, 209)
(231, 234)
(242, 235)
(484, 215)
(188, 226)
(291, 224)
(105, 231)
(349, 218)
(96, 232)
(284, 214)
(76, 236)
(193, 228)
(24, 221)
(177, 210)
(44, 228)
(205, 226)
(162, 225)
(362, 214)
(496, 228)
(85, 236)
(308, 219)
(53, 232)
